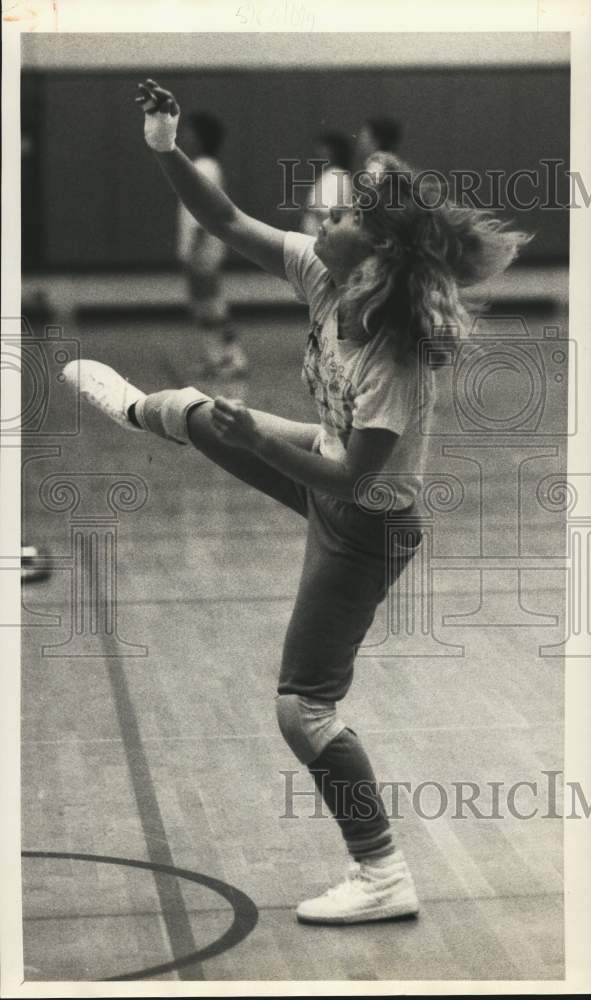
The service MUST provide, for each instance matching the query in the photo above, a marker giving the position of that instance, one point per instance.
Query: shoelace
(356, 874)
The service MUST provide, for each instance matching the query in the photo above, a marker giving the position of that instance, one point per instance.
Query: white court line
(501, 727)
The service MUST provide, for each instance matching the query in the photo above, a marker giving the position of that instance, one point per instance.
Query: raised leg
(246, 466)
(184, 416)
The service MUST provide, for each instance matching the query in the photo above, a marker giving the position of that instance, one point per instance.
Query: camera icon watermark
(502, 380)
(37, 361)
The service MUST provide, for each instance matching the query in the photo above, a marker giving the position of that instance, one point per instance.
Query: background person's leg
(220, 347)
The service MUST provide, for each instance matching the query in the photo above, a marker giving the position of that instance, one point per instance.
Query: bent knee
(307, 725)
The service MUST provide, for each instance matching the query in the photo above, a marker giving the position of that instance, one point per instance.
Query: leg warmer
(165, 413)
(344, 777)
(341, 770)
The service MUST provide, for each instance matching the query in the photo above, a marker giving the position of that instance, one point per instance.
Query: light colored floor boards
(174, 757)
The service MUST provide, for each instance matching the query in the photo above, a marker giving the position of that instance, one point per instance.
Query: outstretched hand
(161, 116)
(152, 97)
(235, 423)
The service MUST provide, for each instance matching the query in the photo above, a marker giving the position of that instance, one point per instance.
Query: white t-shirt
(187, 225)
(359, 385)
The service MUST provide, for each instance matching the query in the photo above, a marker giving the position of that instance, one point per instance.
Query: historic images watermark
(37, 361)
(549, 186)
(546, 797)
(92, 502)
(501, 429)
(43, 416)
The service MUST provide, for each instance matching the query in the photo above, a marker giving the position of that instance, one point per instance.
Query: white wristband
(160, 131)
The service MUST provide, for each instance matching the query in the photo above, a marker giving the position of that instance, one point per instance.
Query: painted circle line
(245, 912)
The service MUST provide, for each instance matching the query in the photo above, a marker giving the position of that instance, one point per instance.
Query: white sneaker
(105, 389)
(368, 893)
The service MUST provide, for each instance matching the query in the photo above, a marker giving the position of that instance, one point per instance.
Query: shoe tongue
(376, 872)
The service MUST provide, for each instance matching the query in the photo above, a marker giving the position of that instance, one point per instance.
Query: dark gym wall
(106, 204)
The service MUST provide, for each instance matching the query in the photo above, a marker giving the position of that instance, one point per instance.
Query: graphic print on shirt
(332, 390)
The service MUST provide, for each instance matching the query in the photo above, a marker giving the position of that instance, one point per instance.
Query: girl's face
(342, 240)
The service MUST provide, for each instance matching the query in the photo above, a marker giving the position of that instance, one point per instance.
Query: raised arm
(211, 207)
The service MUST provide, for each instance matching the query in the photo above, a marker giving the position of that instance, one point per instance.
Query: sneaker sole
(373, 917)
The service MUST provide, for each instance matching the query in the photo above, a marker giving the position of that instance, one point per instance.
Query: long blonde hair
(428, 251)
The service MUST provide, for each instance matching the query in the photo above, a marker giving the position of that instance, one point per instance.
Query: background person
(202, 256)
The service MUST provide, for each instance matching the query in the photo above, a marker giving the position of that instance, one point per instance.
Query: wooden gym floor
(154, 829)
